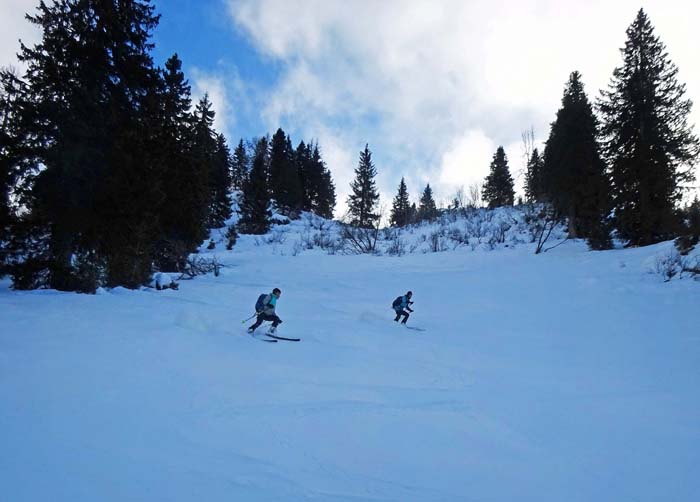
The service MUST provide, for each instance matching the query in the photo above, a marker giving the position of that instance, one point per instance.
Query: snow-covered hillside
(565, 376)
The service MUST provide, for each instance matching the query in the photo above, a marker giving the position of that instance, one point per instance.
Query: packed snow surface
(566, 376)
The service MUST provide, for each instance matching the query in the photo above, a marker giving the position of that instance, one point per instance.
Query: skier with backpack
(265, 310)
(401, 305)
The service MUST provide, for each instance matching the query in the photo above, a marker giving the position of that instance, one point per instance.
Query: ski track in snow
(563, 376)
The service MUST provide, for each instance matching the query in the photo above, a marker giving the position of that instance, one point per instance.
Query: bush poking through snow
(686, 243)
(163, 281)
(231, 237)
(437, 242)
(674, 264)
(397, 246)
(198, 265)
(358, 240)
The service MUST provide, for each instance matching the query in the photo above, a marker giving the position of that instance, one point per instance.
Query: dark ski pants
(403, 313)
(266, 317)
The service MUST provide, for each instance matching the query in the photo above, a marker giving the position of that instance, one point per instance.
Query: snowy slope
(571, 376)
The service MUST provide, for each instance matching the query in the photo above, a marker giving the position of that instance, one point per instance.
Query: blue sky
(434, 86)
(202, 34)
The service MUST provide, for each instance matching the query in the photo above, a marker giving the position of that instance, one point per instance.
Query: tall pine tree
(11, 165)
(284, 176)
(240, 166)
(427, 210)
(648, 141)
(92, 87)
(302, 161)
(498, 186)
(181, 216)
(323, 203)
(363, 200)
(204, 150)
(220, 183)
(255, 203)
(401, 208)
(534, 190)
(574, 173)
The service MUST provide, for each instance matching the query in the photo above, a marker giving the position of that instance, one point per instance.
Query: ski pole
(246, 320)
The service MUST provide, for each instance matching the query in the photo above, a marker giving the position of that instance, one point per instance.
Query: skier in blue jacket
(401, 305)
(265, 308)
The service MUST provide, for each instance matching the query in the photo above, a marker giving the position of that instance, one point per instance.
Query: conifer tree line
(624, 168)
(297, 179)
(363, 201)
(107, 170)
(404, 213)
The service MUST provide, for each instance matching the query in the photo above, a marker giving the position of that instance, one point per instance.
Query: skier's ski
(414, 328)
(264, 339)
(253, 335)
(283, 338)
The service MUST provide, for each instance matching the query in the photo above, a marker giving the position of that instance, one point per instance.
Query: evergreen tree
(220, 182)
(91, 87)
(261, 148)
(10, 157)
(413, 214)
(318, 187)
(324, 189)
(364, 198)
(130, 187)
(692, 216)
(302, 160)
(427, 210)
(255, 203)
(182, 213)
(534, 190)
(284, 176)
(574, 173)
(204, 151)
(648, 142)
(498, 185)
(401, 208)
(239, 169)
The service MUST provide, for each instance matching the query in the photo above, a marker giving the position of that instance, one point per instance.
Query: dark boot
(258, 322)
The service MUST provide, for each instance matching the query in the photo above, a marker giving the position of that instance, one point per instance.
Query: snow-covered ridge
(466, 230)
(477, 229)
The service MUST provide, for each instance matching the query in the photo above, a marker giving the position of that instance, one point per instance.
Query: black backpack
(397, 302)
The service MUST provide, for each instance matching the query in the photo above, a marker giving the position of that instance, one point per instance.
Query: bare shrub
(198, 265)
(674, 264)
(473, 196)
(277, 236)
(437, 242)
(668, 265)
(360, 240)
(541, 226)
(397, 246)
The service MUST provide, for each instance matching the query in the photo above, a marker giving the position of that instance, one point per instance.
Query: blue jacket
(401, 303)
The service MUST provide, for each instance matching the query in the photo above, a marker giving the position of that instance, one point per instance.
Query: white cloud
(14, 27)
(467, 159)
(433, 85)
